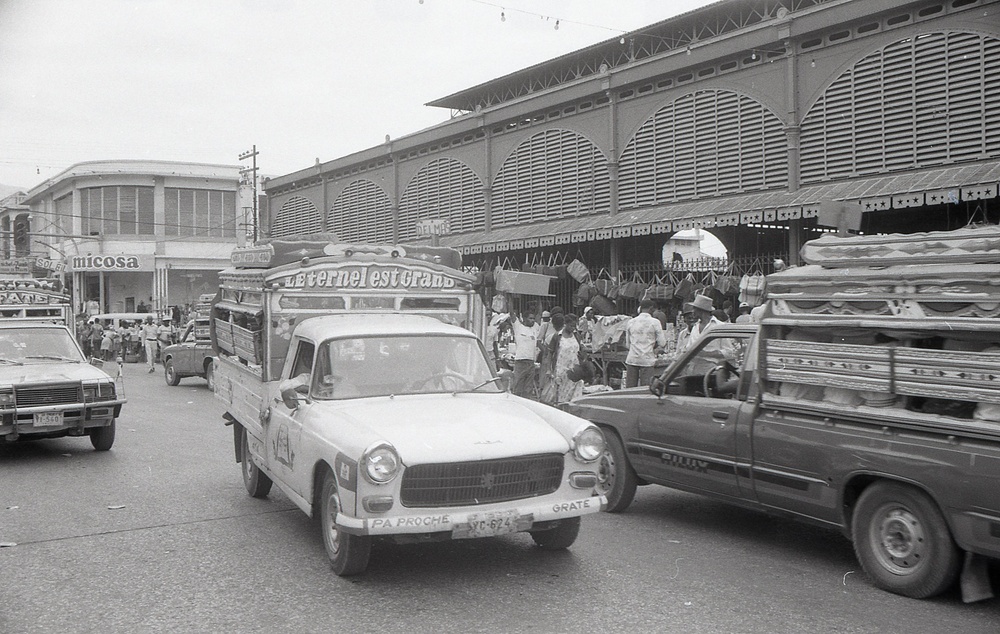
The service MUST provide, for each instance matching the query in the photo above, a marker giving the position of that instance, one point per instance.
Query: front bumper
(457, 520)
(69, 419)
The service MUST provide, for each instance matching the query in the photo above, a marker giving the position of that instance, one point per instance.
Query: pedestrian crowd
(127, 340)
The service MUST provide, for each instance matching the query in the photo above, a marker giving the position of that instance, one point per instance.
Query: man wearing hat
(744, 316)
(702, 307)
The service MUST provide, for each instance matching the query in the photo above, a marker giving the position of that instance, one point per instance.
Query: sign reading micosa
(106, 263)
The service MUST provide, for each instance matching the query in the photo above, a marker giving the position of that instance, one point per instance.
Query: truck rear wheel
(348, 553)
(170, 373)
(102, 438)
(903, 542)
(560, 537)
(615, 476)
(258, 485)
(210, 375)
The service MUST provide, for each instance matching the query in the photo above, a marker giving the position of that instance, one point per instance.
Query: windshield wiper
(50, 357)
(485, 383)
(10, 362)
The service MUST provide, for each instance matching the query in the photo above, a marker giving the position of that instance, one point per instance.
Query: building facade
(749, 119)
(138, 234)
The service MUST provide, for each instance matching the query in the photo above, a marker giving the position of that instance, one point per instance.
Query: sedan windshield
(411, 364)
(38, 345)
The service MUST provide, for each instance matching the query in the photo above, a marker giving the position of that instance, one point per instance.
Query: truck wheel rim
(899, 540)
(332, 534)
(606, 472)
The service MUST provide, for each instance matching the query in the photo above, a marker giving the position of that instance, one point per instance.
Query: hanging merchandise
(634, 288)
(521, 283)
(499, 303)
(584, 294)
(752, 288)
(685, 288)
(578, 271)
(603, 306)
(606, 286)
(660, 290)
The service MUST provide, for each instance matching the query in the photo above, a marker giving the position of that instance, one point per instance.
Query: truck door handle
(720, 415)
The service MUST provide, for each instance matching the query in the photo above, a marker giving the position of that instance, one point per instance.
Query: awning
(911, 189)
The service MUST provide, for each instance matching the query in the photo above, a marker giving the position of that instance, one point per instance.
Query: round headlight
(589, 444)
(381, 463)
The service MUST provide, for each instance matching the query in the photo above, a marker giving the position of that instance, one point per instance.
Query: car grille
(60, 394)
(480, 481)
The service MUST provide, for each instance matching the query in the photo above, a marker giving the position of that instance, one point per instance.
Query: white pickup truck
(352, 388)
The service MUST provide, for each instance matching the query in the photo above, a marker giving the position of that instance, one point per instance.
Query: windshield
(38, 345)
(409, 364)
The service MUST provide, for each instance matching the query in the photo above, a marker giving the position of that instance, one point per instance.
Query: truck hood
(453, 428)
(49, 372)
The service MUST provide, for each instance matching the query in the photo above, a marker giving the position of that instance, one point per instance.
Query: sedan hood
(453, 428)
(49, 372)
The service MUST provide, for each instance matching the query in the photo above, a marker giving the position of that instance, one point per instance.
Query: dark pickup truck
(881, 423)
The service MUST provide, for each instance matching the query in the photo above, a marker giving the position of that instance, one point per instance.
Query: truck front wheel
(560, 537)
(102, 437)
(348, 553)
(615, 476)
(258, 485)
(903, 542)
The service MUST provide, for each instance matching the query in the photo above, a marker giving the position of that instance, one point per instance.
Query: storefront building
(135, 235)
(748, 119)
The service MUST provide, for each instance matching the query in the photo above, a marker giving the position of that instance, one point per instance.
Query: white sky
(204, 80)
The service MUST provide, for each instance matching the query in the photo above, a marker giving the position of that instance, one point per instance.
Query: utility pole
(252, 171)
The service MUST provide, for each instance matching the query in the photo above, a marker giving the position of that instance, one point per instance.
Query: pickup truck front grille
(480, 481)
(37, 395)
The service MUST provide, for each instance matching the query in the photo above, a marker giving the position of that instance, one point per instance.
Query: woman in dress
(565, 357)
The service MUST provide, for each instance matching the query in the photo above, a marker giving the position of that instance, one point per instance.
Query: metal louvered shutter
(444, 188)
(361, 213)
(296, 216)
(553, 174)
(919, 102)
(703, 144)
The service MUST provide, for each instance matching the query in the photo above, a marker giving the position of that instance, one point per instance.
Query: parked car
(191, 356)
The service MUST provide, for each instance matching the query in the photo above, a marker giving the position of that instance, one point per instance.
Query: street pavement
(159, 535)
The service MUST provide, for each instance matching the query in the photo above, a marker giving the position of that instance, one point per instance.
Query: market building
(760, 121)
(136, 234)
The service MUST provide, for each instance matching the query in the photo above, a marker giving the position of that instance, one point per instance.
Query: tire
(258, 485)
(903, 542)
(616, 478)
(169, 373)
(210, 375)
(348, 553)
(102, 438)
(559, 538)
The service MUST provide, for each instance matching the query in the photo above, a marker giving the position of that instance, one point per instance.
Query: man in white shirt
(644, 335)
(525, 350)
(703, 308)
(149, 335)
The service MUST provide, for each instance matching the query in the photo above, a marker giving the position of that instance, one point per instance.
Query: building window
(199, 213)
(119, 210)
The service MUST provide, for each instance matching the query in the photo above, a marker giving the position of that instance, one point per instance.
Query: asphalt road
(158, 535)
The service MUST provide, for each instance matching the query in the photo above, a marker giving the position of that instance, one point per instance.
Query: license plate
(47, 419)
(493, 523)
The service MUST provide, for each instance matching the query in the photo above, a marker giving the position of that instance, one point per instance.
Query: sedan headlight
(588, 444)
(380, 463)
(6, 399)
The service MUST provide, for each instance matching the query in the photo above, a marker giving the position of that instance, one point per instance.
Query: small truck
(356, 382)
(867, 399)
(48, 389)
